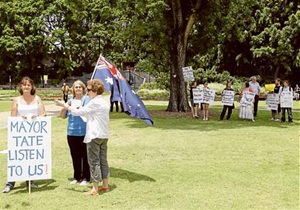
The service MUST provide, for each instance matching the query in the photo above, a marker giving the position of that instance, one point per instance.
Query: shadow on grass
(43, 185)
(128, 175)
(168, 120)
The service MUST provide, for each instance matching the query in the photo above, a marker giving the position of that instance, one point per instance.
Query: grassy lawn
(179, 163)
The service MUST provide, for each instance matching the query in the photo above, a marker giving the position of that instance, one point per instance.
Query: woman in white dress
(246, 104)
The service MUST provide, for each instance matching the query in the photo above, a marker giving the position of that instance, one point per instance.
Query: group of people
(87, 129)
(248, 108)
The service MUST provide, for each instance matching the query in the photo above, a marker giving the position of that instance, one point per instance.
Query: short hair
(23, 81)
(82, 85)
(247, 84)
(278, 79)
(96, 85)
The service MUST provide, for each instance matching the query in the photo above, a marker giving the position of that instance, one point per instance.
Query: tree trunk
(180, 30)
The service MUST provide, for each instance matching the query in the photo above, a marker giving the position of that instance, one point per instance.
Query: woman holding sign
(286, 101)
(246, 103)
(29, 106)
(205, 105)
(194, 106)
(228, 101)
(76, 130)
(96, 113)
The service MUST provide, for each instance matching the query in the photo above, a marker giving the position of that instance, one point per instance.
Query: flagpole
(96, 66)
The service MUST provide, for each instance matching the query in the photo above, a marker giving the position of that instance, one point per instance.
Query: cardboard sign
(272, 101)
(228, 97)
(247, 98)
(202, 95)
(188, 74)
(28, 149)
(286, 99)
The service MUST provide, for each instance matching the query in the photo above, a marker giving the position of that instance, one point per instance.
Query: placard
(29, 149)
(286, 99)
(247, 98)
(228, 97)
(201, 95)
(272, 101)
(188, 74)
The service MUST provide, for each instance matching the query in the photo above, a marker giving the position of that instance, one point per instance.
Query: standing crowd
(248, 105)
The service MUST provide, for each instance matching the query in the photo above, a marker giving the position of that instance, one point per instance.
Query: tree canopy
(61, 38)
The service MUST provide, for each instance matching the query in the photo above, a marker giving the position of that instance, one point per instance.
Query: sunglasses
(88, 89)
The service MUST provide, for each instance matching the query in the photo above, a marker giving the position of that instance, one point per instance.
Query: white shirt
(96, 113)
(255, 87)
(25, 109)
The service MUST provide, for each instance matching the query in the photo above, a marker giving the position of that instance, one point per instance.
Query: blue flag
(120, 90)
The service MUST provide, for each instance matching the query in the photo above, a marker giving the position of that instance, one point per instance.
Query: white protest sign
(76, 103)
(197, 95)
(29, 149)
(272, 101)
(188, 74)
(286, 99)
(201, 95)
(247, 98)
(228, 97)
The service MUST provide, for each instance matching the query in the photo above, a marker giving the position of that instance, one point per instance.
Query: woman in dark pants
(225, 107)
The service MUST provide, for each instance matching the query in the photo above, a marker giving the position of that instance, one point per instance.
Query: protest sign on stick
(29, 149)
(228, 97)
(188, 74)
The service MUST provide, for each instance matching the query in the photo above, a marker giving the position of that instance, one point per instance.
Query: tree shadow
(43, 185)
(128, 175)
(167, 120)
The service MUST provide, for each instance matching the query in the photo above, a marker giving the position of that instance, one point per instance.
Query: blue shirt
(76, 126)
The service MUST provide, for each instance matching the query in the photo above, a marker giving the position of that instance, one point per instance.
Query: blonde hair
(82, 85)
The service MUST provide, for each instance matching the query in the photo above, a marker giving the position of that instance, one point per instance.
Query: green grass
(179, 163)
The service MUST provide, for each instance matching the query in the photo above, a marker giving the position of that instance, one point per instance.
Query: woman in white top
(96, 113)
(27, 105)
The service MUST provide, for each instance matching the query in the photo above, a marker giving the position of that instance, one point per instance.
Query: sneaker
(196, 116)
(272, 118)
(7, 189)
(74, 181)
(84, 183)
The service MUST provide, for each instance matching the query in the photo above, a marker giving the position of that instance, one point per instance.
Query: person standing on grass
(194, 106)
(65, 89)
(225, 107)
(96, 113)
(286, 88)
(276, 113)
(205, 105)
(28, 106)
(254, 85)
(297, 92)
(245, 105)
(76, 130)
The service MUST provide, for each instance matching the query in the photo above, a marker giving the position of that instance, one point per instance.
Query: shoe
(253, 120)
(74, 181)
(91, 193)
(196, 116)
(277, 120)
(203, 118)
(84, 183)
(103, 189)
(272, 118)
(7, 189)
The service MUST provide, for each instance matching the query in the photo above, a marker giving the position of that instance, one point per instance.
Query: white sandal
(7, 189)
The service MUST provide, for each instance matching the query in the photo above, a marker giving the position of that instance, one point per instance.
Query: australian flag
(120, 90)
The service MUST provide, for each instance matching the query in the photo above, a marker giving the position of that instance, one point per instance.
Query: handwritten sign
(202, 95)
(188, 74)
(286, 99)
(247, 98)
(272, 101)
(228, 97)
(29, 149)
